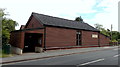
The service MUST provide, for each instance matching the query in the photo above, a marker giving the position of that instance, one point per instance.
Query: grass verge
(3, 55)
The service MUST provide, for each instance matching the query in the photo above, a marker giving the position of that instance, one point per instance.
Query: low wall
(16, 50)
(38, 49)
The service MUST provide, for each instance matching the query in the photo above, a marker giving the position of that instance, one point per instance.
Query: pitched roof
(22, 27)
(60, 22)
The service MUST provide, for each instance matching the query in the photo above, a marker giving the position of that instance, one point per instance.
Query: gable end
(33, 23)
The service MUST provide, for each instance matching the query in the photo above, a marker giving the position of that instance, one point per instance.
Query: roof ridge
(55, 17)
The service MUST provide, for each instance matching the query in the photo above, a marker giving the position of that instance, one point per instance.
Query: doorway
(78, 38)
(31, 41)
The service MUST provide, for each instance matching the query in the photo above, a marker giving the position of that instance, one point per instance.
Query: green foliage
(113, 41)
(119, 35)
(105, 32)
(78, 19)
(3, 55)
(1, 16)
(118, 40)
(115, 34)
(8, 25)
(99, 26)
(102, 30)
(1, 12)
(5, 37)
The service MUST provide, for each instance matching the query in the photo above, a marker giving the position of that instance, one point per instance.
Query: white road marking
(116, 55)
(92, 61)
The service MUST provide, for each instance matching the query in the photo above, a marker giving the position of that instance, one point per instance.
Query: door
(78, 38)
(31, 41)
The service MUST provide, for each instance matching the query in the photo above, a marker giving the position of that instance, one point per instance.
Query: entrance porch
(33, 42)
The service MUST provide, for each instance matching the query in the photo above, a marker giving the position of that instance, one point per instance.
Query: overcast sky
(104, 12)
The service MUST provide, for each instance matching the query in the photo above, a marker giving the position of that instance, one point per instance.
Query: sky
(104, 12)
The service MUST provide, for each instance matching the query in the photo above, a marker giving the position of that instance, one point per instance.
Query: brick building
(47, 32)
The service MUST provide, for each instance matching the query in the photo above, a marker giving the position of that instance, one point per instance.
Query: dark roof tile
(55, 21)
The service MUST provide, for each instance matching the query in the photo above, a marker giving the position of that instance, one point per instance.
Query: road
(104, 57)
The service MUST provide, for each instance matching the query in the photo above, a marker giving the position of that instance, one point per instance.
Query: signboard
(94, 36)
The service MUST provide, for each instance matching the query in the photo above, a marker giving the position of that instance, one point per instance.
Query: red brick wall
(33, 23)
(17, 39)
(104, 40)
(59, 37)
(35, 31)
(87, 38)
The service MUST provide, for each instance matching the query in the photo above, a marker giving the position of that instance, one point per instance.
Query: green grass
(6, 55)
(3, 55)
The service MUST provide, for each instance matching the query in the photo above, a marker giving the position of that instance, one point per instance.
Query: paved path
(52, 53)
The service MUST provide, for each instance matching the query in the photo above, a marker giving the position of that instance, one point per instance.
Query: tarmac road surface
(104, 57)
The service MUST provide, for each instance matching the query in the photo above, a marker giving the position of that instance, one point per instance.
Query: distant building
(22, 27)
(47, 32)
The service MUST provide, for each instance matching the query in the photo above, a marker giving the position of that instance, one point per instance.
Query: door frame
(34, 35)
(78, 38)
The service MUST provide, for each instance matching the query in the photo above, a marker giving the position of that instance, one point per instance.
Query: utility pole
(111, 31)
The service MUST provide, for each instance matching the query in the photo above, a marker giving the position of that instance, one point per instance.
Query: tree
(98, 26)
(8, 25)
(79, 19)
(102, 30)
(1, 16)
(2, 12)
(119, 35)
(115, 34)
(105, 32)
